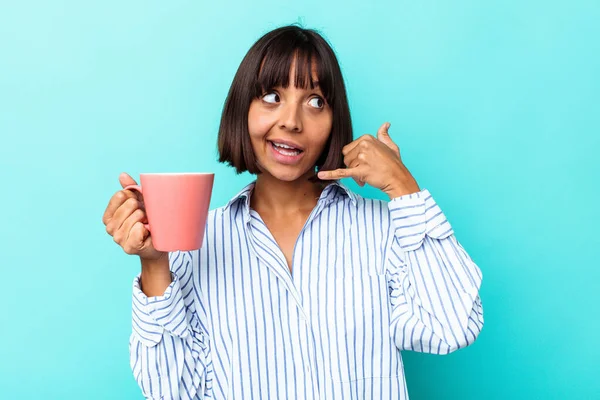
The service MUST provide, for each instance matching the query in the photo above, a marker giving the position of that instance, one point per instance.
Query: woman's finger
(122, 213)
(121, 235)
(353, 160)
(357, 153)
(137, 216)
(114, 203)
(384, 137)
(352, 145)
(357, 172)
(382, 132)
(138, 239)
(125, 179)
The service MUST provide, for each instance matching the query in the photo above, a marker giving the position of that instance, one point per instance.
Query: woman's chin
(288, 174)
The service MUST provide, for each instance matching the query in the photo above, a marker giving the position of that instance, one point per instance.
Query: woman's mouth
(284, 153)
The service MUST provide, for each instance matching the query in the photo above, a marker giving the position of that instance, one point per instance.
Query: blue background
(495, 107)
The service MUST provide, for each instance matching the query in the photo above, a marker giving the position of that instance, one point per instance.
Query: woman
(302, 289)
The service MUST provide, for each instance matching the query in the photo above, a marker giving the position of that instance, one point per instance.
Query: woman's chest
(332, 302)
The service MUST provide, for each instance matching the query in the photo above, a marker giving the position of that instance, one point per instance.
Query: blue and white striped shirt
(369, 278)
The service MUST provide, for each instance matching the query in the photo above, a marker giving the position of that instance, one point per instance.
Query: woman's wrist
(156, 276)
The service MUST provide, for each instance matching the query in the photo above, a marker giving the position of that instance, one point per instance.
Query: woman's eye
(271, 97)
(316, 102)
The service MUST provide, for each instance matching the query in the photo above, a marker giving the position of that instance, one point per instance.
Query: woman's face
(289, 129)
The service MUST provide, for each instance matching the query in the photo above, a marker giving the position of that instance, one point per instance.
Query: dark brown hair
(266, 66)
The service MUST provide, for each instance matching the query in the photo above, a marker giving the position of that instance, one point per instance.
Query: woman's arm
(169, 347)
(434, 284)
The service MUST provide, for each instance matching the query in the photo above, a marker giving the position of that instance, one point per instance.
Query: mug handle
(137, 188)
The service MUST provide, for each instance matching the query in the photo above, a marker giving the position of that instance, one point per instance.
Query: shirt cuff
(416, 215)
(151, 316)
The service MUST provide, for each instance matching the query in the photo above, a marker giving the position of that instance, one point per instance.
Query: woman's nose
(291, 119)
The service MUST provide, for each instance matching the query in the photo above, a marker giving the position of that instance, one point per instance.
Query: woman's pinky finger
(357, 172)
(336, 174)
(326, 175)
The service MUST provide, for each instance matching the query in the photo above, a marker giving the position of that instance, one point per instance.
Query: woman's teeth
(286, 150)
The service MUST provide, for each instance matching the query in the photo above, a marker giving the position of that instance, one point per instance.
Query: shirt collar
(246, 192)
(342, 188)
(243, 194)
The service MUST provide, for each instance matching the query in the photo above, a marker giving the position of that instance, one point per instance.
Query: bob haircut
(266, 66)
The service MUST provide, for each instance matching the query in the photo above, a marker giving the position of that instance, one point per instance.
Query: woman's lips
(285, 156)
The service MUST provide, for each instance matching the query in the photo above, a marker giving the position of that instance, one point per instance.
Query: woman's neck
(280, 197)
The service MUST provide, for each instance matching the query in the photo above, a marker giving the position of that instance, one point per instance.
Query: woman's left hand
(375, 161)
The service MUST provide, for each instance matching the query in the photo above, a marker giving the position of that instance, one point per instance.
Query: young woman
(302, 289)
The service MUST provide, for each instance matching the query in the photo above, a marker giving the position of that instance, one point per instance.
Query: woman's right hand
(124, 218)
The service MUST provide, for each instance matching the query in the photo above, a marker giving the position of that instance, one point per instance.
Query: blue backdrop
(495, 106)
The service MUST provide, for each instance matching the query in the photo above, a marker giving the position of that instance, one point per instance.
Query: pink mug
(176, 207)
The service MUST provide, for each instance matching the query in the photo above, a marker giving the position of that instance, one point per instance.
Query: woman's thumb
(126, 180)
(383, 135)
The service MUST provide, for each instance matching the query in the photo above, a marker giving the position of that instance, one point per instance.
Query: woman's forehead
(293, 70)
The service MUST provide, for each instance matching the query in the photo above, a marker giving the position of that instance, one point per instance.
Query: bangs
(277, 63)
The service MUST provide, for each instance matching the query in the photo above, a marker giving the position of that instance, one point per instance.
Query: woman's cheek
(264, 123)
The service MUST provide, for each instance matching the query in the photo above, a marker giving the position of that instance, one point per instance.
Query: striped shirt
(369, 278)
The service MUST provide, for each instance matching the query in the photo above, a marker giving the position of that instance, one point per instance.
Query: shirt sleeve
(433, 282)
(169, 347)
